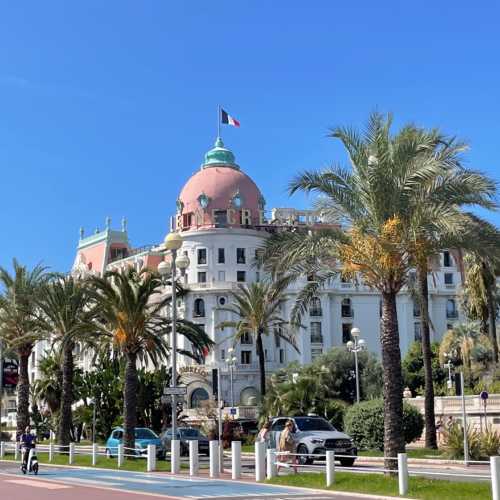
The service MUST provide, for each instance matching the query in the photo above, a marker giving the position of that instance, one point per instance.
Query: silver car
(314, 435)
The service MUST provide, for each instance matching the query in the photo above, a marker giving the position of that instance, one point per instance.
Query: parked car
(184, 435)
(315, 435)
(143, 437)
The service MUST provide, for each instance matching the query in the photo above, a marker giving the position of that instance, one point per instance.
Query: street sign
(233, 411)
(177, 391)
(483, 395)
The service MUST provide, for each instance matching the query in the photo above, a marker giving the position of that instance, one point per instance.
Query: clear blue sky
(107, 107)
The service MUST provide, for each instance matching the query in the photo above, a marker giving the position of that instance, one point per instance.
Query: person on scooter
(27, 443)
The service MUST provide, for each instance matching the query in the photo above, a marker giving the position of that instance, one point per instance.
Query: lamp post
(172, 243)
(356, 346)
(449, 365)
(231, 362)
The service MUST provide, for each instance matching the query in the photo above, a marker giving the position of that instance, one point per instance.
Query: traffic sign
(484, 395)
(177, 391)
(233, 411)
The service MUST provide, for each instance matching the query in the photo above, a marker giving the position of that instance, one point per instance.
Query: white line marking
(132, 480)
(88, 481)
(37, 484)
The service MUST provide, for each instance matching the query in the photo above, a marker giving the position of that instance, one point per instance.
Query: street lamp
(172, 243)
(449, 365)
(357, 346)
(231, 362)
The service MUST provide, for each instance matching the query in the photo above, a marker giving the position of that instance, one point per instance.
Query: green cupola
(219, 155)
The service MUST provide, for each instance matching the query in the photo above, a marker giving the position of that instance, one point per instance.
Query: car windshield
(190, 433)
(145, 434)
(313, 424)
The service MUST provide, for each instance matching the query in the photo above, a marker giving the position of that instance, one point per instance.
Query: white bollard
(120, 455)
(403, 473)
(51, 452)
(193, 458)
(495, 477)
(151, 458)
(71, 453)
(330, 468)
(260, 461)
(2, 449)
(95, 449)
(175, 456)
(236, 459)
(214, 458)
(272, 470)
(16, 451)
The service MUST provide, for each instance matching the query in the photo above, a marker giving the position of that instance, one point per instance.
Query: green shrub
(453, 442)
(490, 443)
(364, 422)
(334, 410)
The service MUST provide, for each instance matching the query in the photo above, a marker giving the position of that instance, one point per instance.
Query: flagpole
(218, 120)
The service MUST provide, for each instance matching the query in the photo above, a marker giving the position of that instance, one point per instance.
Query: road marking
(133, 480)
(37, 484)
(71, 479)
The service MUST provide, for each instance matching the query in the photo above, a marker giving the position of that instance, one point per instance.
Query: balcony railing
(316, 311)
(452, 314)
(316, 339)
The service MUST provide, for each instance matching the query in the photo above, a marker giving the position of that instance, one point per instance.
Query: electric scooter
(31, 465)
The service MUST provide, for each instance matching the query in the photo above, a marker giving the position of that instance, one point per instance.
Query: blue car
(143, 437)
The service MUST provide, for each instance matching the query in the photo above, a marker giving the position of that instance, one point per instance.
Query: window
(417, 331)
(187, 220)
(249, 397)
(257, 276)
(448, 278)
(246, 357)
(311, 277)
(240, 256)
(33, 358)
(315, 309)
(316, 353)
(412, 278)
(379, 308)
(198, 396)
(346, 332)
(199, 308)
(222, 354)
(446, 259)
(246, 338)
(241, 276)
(451, 309)
(220, 218)
(316, 336)
(279, 424)
(346, 308)
(118, 253)
(282, 355)
(221, 275)
(277, 338)
(449, 326)
(416, 309)
(267, 356)
(221, 256)
(202, 256)
(202, 277)
(222, 301)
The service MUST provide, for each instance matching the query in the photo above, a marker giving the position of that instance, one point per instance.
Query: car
(143, 437)
(184, 435)
(315, 435)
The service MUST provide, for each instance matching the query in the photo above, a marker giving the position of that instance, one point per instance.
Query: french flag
(228, 119)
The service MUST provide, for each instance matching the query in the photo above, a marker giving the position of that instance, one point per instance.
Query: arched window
(199, 308)
(347, 308)
(249, 397)
(315, 309)
(198, 396)
(451, 309)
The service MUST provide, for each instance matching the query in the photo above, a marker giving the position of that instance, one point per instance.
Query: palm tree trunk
(262, 364)
(65, 414)
(23, 391)
(430, 418)
(492, 313)
(394, 442)
(130, 402)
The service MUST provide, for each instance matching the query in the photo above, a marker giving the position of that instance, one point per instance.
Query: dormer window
(237, 200)
(262, 202)
(203, 200)
(179, 205)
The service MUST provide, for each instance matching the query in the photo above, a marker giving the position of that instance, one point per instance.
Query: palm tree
(380, 201)
(130, 306)
(17, 325)
(257, 307)
(66, 314)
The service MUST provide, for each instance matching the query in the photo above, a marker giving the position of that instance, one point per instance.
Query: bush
(490, 443)
(335, 412)
(453, 442)
(364, 422)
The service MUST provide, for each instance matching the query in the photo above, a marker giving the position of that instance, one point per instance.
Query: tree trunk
(65, 414)
(430, 419)
(394, 442)
(130, 402)
(262, 364)
(492, 324)
(23, 391)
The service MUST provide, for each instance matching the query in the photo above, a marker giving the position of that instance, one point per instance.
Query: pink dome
(219, 195)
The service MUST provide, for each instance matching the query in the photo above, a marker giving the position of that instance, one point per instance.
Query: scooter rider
(27, 443)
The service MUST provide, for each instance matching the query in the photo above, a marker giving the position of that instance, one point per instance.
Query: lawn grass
(377, 484)
(248, 448)
(134, 465)
(412, 453)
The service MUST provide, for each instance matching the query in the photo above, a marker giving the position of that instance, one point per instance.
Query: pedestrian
(287, 445)
(439, 430)
(263, 436)
(449, 422)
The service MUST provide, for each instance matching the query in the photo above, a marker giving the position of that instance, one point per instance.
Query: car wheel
(302, 450)
(347, 462)
(108, 453)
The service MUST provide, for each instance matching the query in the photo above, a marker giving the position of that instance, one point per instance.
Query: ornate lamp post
(172, 243)
(231, 362)
(357, 346)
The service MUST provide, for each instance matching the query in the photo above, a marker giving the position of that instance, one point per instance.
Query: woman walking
(287, 446)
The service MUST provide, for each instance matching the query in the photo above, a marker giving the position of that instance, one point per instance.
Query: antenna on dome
(218, 120)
